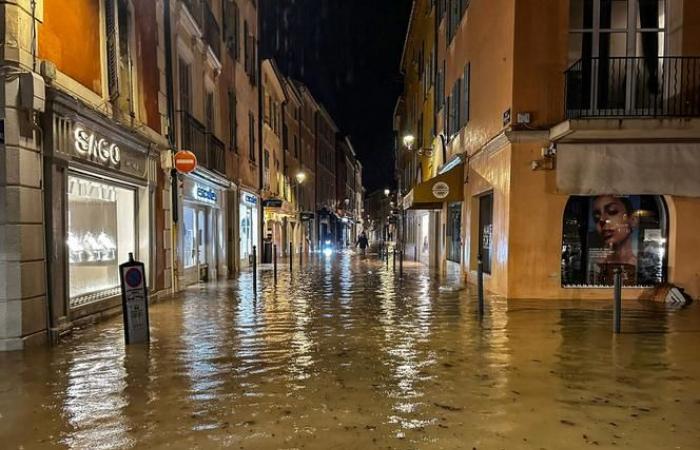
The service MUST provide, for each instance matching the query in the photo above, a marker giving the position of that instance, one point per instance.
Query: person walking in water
(362, 242)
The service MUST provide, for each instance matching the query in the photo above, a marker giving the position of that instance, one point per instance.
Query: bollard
(255, 269)
(401, 264)
(617, 311)
(291, 256)
(274, 262)
(301, 255)
(393, 258)
(480, 285)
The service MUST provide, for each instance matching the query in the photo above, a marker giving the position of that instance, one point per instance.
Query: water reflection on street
(343, 354)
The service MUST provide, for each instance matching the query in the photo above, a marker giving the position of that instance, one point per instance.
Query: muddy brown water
(342, 355)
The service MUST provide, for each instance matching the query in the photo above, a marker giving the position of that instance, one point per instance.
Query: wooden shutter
(112, 49)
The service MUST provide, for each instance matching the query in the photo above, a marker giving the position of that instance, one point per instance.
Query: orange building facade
(575, 126)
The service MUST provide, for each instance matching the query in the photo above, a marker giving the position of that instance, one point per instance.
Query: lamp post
(300, 178)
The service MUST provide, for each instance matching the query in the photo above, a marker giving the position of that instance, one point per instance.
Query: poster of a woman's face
(616, 222)
(607, 232)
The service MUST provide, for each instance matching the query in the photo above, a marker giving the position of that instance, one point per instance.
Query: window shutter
(112, 50)
(466, 93)
(233, 121)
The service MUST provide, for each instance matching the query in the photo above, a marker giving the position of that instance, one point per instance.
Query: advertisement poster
(607, 232)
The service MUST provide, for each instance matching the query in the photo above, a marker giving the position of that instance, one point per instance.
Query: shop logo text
(87, 144)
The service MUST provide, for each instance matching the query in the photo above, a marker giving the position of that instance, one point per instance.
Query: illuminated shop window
(101, 233)
(606, 232)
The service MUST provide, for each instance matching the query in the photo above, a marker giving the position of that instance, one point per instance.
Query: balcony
(204, 17)
(209, 150)
(633, 87)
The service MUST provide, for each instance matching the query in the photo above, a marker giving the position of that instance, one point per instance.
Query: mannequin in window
(615, 223)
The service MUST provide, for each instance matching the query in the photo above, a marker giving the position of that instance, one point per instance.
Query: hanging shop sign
(95, 148)
(307, 216)
(185, 161)
(134, 301)
(205, 193)
(272, 203)
(441, 189)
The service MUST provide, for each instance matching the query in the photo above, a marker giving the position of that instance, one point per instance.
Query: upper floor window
(185, 79)
(616, 28)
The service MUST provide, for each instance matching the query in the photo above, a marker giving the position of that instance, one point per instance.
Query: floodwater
(343, 355)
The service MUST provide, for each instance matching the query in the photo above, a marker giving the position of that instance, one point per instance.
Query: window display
(607, 232)
(101, 233)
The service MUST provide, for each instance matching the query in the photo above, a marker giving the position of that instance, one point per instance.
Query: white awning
(627, 169)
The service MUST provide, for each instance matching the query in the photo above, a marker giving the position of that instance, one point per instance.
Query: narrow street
(343, 354)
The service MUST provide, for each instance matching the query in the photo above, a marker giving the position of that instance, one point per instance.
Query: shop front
(99, 208)
(248, 226)
(433, 216)
(202, 244)
(279, 226)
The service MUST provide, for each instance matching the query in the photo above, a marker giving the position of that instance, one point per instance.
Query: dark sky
(348, 53)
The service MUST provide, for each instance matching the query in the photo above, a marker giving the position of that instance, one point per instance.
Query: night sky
(348, 53)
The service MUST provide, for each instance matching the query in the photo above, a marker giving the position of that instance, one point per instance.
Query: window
(233, 121)
(251, 136)
(486, 230)
(209, 110)
(101, 234)
(232, 28)
(607, 232)
(185, 86)
(456, 9)
(266, 170)
(464, 101)
(620, 64)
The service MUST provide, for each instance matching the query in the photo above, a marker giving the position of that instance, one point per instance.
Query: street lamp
(387, 192)
(301, 177)
(408, 141)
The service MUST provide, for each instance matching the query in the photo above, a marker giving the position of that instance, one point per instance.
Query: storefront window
(190, 237)
(607, 232)
(486, 230)
(101, 234)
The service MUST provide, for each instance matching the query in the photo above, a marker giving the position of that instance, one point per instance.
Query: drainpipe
(258, 81)
(170, 92)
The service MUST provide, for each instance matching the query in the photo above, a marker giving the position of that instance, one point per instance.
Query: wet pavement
(341, 355)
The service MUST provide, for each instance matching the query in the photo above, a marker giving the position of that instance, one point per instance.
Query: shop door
(454, 227)
(202, 241)
(246, 233)
(486, 230)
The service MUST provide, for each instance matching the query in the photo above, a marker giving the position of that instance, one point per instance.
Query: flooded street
(341, 355)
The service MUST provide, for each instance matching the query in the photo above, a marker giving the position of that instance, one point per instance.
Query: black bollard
(274, 262)
(255, 269)
(393, 258)
(401, 264)
(480, 285)
(291, 256)
(617, 311)
(301, 255)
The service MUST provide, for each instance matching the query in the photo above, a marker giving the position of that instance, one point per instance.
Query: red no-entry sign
(185, 161)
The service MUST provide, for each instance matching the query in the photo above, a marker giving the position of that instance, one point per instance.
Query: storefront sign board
(134, 301)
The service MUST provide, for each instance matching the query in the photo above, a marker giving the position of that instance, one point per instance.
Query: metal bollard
(255, 269)
(480, 285)
(301, 255)
(274, 262)
(617, 308)
(291, 256)
(401, 264)
(393, 258)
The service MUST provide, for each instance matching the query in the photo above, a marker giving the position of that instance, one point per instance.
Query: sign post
(134, 301)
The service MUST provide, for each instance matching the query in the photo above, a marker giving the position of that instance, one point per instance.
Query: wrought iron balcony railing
(209, 150)
(633, 87)
(216, 154)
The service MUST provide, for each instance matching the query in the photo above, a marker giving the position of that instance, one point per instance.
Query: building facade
(585, 124)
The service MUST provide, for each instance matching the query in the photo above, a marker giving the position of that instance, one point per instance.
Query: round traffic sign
(133, 277)
(185, 161)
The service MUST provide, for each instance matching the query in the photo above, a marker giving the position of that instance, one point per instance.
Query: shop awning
(432, 194)
(625, 169)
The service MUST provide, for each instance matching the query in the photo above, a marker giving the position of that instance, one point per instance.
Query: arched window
(606, 232)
